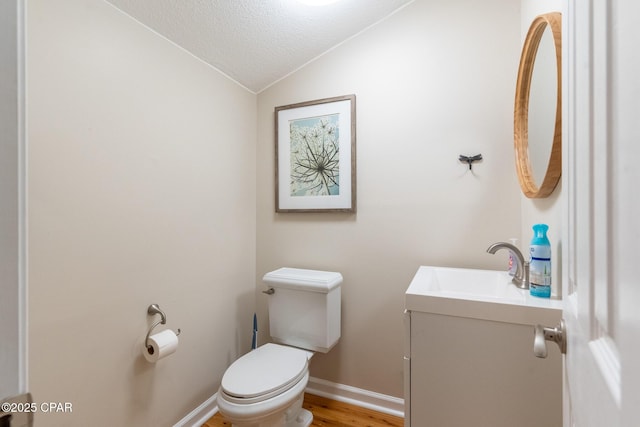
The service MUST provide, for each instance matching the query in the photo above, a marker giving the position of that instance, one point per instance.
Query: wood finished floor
(327, 412)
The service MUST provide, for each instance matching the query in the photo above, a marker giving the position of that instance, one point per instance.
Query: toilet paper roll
(161, 345)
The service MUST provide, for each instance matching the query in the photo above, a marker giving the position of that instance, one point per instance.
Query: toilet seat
(265, 372)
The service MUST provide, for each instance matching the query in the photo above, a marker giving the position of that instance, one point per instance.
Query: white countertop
(496, 298)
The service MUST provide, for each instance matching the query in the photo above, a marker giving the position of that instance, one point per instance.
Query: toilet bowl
(265, 387)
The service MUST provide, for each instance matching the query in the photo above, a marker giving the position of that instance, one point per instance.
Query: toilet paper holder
(152, 310)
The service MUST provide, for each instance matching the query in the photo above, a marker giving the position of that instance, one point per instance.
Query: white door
(12, 210)
(601, 285)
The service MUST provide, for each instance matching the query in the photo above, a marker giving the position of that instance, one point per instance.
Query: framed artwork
(316, 156)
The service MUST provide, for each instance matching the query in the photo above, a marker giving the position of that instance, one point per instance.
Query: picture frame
(315, 147)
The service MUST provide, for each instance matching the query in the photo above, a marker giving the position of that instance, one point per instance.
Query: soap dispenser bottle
(513, 265)
(540, 262)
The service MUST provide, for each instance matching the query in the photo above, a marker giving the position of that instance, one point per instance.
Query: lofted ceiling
(257, 42)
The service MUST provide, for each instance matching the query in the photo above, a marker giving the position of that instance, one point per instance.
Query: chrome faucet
(521, 278)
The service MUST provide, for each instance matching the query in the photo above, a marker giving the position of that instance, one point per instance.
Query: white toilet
(265, 387)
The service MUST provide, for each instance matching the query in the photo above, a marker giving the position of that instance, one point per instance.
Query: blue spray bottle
(540, 269)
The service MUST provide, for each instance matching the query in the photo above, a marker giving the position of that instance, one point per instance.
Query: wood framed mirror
(538, 108)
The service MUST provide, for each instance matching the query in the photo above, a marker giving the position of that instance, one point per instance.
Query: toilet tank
(304, 309)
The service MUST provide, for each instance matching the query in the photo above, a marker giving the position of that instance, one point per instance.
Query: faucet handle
(523, 282)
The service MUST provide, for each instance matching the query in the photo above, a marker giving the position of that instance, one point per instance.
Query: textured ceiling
(257, 42)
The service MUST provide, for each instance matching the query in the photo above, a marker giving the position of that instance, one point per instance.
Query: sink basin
(471, 284)
(479, 294)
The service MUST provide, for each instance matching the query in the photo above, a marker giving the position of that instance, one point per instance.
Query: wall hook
(470, 159)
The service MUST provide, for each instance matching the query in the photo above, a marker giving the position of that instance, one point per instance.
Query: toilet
(265, 387)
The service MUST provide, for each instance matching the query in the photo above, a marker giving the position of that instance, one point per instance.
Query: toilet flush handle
(269, 291)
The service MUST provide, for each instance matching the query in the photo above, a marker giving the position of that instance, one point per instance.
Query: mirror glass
(542, 98)
(537, 113)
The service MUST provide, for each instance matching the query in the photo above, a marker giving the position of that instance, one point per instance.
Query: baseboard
(340, 392)
(356, 396)
(201, 414)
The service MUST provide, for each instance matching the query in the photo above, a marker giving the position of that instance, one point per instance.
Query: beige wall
(141, 189)
(433, 81)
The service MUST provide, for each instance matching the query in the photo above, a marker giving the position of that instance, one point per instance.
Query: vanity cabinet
(478, 369)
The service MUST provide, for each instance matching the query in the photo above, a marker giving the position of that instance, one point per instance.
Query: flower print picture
(315, 153)
(315, 156)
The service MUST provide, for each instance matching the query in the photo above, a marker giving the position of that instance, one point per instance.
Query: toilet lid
(265, 370)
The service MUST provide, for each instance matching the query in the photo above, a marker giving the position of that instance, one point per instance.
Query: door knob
(542, 334)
